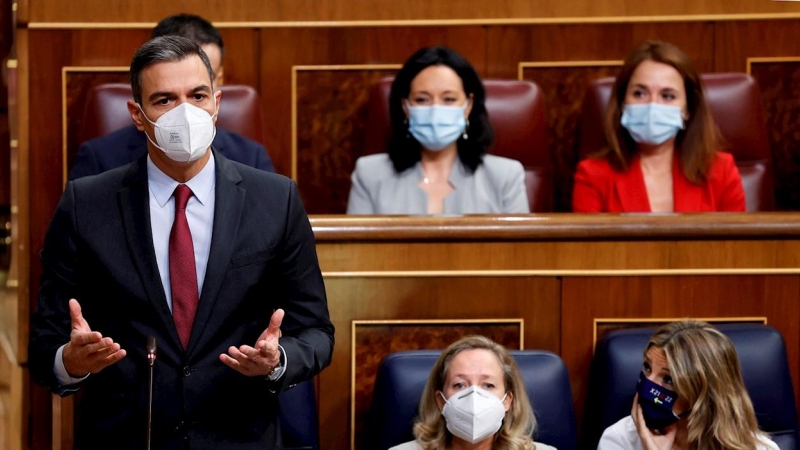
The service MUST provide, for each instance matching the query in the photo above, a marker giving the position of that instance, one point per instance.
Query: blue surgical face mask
(436, 126)
(652, 123)
(657, 403)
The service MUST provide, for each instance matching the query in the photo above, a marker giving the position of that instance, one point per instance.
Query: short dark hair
(191, 27)
(404, 150)
(163, 49)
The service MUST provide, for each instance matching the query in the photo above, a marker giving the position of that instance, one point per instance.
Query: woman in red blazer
(662, 154)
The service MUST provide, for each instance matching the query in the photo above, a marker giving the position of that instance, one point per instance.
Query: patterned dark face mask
(657, 403)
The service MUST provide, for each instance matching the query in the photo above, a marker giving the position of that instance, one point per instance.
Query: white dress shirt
(199, 214)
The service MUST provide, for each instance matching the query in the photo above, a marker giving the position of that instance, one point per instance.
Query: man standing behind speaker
(214, 259)
(128, 144)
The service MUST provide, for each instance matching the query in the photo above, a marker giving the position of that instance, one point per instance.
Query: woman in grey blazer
(437, 162)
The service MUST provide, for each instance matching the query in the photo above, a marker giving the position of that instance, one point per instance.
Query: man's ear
(136, 115)
(217, 98)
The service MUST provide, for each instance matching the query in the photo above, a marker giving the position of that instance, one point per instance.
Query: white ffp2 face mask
(183, 133)
(473, 414)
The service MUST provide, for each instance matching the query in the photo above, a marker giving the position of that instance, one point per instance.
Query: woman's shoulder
(765, 443)
(724, 158)
(411, 445)
(378, 160)
(378, 166)
(541, 446)
(723, 166)
(595, 164)
(621, 435)
(500, 164)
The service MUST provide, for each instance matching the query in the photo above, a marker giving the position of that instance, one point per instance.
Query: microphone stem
(150, 406)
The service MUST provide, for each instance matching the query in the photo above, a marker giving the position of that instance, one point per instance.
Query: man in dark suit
(214, 259)
(128, 144)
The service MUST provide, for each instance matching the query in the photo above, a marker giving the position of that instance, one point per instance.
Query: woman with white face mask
(474, 399)
(663, 146)
(436, 161)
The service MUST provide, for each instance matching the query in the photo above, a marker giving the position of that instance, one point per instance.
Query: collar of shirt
(163, 186)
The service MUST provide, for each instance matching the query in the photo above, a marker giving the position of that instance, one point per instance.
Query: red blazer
(600, 188)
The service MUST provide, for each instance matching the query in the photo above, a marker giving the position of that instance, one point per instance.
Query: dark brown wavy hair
(696, 144)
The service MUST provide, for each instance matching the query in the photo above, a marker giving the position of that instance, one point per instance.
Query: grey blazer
(497, 186)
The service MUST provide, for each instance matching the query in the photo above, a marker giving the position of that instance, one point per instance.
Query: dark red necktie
(182, 272)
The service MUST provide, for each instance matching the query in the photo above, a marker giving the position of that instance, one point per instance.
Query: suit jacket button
(187, 371)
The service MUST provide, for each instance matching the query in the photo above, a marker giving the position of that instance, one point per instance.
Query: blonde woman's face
(475, 367)
(656, 369)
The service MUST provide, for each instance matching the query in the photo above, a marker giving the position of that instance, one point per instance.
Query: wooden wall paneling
(44, 147)
(6, 365)
(8, 301)
(372, 10)
(564, 85)
(768, 44)
(16, 288)
(341, 46)
(242, 55)
(569, 258)
(77, 82)
(585, 299)
(6, 34)
(510, 44)
(330, 118)
(779, 80)
(534, 299)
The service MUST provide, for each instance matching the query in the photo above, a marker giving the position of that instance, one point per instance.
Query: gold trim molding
(555, 273)
(558, 64)
(65, 70)
(770, 59)
(343, 67)
(434, 22)
(11, 64)
(660, 320)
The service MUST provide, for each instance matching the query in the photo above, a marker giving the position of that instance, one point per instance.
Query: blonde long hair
(519, 422)
(706, 372)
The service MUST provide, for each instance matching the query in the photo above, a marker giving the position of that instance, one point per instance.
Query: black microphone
(151, 360)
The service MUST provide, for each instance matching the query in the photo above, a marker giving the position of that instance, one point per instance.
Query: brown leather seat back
(516, 110)
(735, 103)
(106, 111)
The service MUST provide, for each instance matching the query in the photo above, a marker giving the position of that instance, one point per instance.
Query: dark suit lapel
(228, 205)
(134, 204)
(631, 190)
